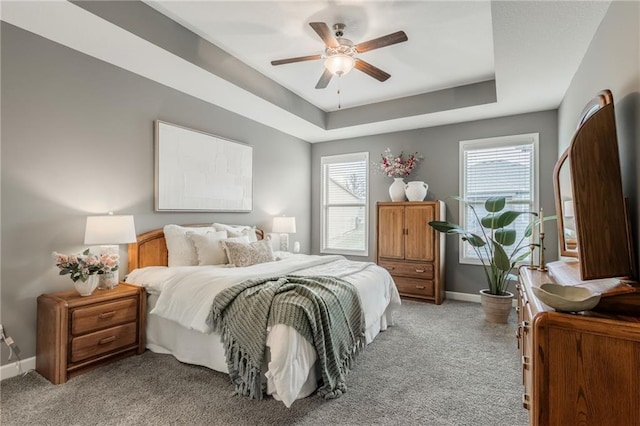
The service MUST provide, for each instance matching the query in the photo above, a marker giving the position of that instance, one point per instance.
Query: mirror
(567, 234)
(592, 220)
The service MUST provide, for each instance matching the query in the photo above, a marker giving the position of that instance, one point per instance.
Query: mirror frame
(605, 248)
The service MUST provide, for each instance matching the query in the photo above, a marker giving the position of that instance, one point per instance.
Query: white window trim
(343, 158)
(491, 143)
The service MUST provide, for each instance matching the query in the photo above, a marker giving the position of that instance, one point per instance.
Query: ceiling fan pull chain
(339, 80)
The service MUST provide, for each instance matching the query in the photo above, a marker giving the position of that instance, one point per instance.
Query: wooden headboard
(150, 249)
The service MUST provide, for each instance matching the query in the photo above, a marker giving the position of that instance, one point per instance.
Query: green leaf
(507, 218)
(529, 230)
(446, 227)
(506, 237)
(495, 204)
(490, 221)
(500, 258)
(473, 239)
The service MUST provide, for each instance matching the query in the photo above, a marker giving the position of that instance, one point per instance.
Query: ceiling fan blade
(376, 43)
(298, 59)
(325, 34)
(325, 78)
(369, 69)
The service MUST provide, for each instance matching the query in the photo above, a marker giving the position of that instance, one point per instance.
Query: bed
(180, 297)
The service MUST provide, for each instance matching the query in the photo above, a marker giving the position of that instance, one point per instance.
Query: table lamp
(284, 226)
(107, 232)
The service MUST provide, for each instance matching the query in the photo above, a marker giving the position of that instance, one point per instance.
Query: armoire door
(419, 235)
(390, 232)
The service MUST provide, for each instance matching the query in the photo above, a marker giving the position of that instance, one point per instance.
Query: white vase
(396, 190)
(85, 288)
(416, 190)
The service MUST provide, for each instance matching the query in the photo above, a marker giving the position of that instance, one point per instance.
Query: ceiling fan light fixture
(339, 64)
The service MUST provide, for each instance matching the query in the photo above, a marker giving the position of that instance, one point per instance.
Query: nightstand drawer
(412, 286)
(408, 269)
(84, 320)
(103, 341)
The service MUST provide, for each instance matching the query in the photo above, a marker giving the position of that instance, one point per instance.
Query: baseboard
(466, 297)
(10, 370)
(463, 297)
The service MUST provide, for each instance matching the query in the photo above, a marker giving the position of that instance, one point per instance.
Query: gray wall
(612, 62)
(439, 169)
(77, 140)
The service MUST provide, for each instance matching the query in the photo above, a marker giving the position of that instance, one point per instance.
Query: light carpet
(439, 365)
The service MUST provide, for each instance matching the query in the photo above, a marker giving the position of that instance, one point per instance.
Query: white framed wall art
(196, 171)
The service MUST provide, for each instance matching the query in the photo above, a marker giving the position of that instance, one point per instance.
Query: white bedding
(183, 296)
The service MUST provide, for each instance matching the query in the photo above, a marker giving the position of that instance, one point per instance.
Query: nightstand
(78, 333)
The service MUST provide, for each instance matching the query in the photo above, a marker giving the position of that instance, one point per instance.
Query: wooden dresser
(78, 333)
(577, 368)
(410, 249)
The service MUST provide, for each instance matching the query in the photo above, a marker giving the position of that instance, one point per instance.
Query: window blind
(344, 206)
(498, 167)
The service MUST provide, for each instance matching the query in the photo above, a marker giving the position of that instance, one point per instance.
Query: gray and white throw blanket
(324, 310)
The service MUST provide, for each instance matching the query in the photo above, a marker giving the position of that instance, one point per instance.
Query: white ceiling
(531, 49)
(450, 43)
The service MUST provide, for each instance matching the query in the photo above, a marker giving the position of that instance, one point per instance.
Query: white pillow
(208, 248)
(248, 254)
(181, 250)
(238, 230)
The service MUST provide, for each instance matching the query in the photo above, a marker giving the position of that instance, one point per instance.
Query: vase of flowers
(398, 168)
(84, 268)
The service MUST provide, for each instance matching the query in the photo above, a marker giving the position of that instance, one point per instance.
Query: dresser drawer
(103, 341)
(414, 287)
(91, 318)
(408, 269)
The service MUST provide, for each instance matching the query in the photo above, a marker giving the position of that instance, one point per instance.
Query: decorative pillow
(181, 250)
(238, 230)
(208, 248)
(248, 254)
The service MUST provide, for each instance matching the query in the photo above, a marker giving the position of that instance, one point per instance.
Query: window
(345, 200)
(497, 167)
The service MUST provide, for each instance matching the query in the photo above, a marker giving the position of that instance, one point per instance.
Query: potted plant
(490, 248)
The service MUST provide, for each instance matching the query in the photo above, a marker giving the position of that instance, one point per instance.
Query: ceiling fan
(340, 53)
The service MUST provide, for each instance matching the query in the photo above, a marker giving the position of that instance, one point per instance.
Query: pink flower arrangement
(80, 266)
(396, 167)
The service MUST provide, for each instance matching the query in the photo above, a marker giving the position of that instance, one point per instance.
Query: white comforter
(185, 296)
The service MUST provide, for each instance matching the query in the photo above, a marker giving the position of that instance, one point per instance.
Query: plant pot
(496, 308)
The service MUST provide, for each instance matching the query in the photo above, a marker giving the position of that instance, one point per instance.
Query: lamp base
(110, 279)
(284, 242)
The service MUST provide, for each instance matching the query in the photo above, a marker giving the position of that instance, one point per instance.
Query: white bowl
(567, 298)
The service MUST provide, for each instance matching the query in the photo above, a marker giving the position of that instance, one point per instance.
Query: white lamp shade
(339, 64)
(284, 225)
(103, 230)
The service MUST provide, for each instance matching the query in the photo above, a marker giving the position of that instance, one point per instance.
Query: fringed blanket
(325, 310)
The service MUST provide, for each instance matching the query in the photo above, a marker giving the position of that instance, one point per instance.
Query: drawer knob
(525, 362)
(105, 315)
(419, 270)
(107, 340)
(390, 267)
(420, 287)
